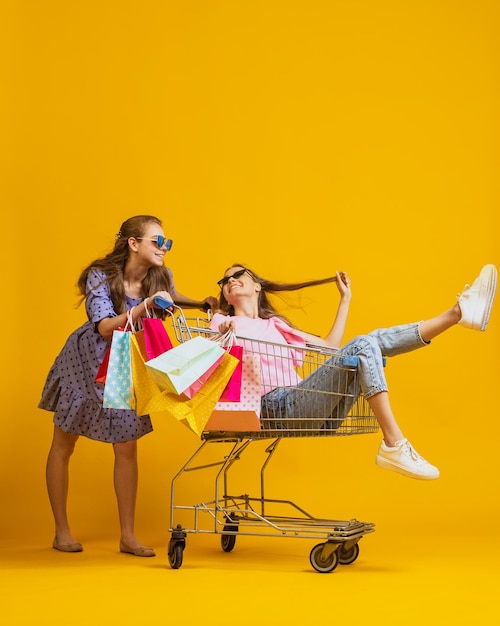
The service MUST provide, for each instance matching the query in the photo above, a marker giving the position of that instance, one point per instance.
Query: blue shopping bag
(118, 388)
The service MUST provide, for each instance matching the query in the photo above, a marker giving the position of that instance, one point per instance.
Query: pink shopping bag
(156, 338)
(232, 393)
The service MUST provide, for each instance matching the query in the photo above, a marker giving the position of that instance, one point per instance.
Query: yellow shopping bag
(195, 411)
(145, 388)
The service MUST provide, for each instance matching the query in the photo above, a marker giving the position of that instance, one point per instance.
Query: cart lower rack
(307, 392)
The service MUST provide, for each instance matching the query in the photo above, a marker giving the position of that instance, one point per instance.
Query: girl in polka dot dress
(127, 279)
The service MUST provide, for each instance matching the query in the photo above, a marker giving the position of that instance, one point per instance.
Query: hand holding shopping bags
(194, 411)
(197, 381)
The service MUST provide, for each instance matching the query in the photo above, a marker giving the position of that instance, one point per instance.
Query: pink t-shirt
(278, 364)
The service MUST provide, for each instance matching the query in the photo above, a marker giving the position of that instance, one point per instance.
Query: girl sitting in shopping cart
(245, 308)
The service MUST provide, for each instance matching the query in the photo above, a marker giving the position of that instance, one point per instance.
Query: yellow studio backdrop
(298, 138)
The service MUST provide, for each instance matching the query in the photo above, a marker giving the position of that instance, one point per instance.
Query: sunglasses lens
(162, 241)
(223, 281)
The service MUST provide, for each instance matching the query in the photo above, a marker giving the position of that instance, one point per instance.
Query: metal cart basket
(340, 410)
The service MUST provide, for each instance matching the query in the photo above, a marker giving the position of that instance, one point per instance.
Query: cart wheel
(175, 553)
(346, 557)
(320, 563)
(227, 542)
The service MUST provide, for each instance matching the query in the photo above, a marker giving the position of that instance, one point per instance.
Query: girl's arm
(107, 325)
(211, 302)
(334, 337)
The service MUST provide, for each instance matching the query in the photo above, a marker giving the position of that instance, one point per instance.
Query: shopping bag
(100, 377)
(197, 385)
(195, 412)
(232, 392)
(156, 338)
(145, 388)
(118, 391)
(242, 416)
(226, 341)
(178, 368)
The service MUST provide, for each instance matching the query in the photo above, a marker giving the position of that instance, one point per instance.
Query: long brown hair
(266, 308)
(113, 265)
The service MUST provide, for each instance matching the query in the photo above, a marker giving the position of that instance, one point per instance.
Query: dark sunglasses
(225, 280)
(160, 241)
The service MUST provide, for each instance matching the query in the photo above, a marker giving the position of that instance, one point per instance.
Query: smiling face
(148, 246)
(238, 283)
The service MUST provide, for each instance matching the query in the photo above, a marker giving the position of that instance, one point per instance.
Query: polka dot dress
(70, 390)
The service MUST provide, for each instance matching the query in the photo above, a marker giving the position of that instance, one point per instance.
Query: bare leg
(126, 475)
(395, 452)
(57, 476)
(435, 326)
(380, 404)
(381, 407)
(472, 311)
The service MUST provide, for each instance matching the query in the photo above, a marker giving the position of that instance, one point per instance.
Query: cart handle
(165, 304)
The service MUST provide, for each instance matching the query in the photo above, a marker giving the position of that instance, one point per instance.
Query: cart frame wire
(231, 516)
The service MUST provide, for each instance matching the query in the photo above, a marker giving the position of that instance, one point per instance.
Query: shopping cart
(340, 411)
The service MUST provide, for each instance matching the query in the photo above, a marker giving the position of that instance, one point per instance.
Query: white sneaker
(476, 301)
(404, 459)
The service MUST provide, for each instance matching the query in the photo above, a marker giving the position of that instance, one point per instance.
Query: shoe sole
(491, 289)
(389, 465)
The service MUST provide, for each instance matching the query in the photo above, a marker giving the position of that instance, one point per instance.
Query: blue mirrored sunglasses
(160, 241)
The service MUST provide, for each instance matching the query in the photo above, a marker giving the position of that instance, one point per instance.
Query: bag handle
(226, 340)
(150, 312)
(129, 324)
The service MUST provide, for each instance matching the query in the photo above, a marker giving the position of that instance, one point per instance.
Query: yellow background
(297, 138)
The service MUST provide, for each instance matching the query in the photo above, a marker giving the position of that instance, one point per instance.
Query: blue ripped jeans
(342, 387)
